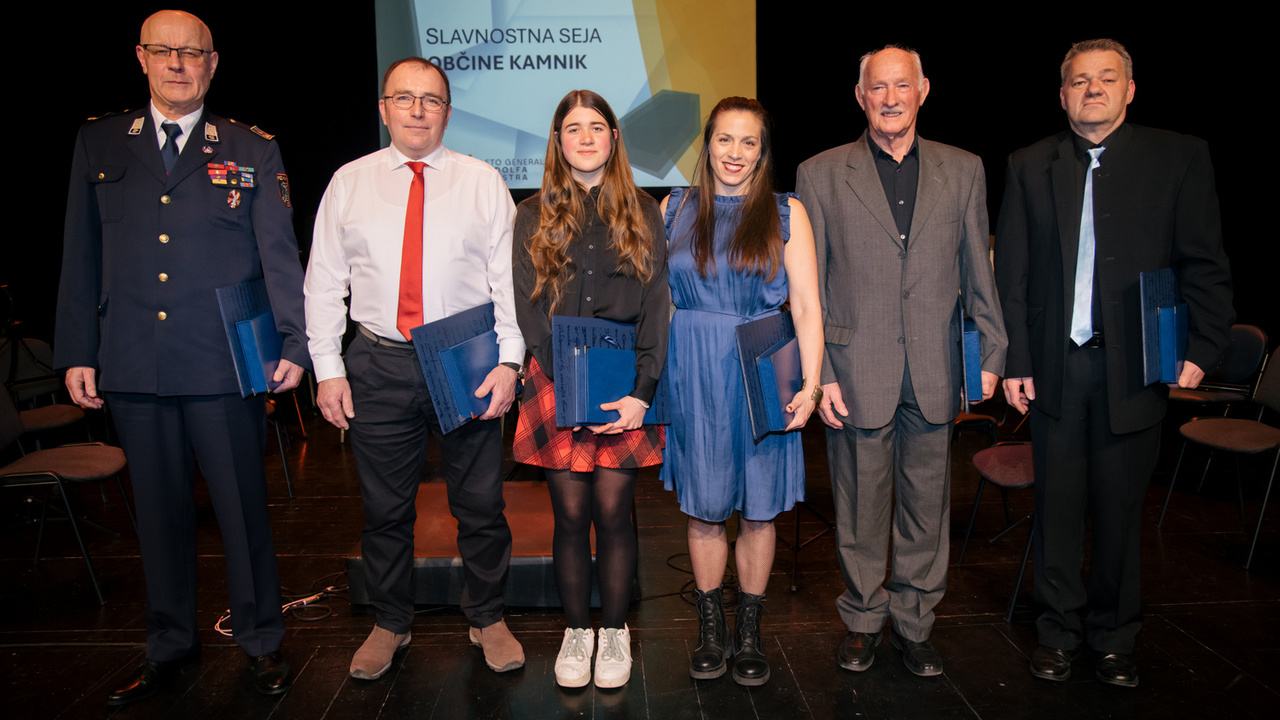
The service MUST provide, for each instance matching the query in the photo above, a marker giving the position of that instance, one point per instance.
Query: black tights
(602, 498)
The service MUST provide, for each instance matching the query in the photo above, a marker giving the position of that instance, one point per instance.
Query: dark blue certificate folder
(768, 385)
(972, 348)
(1172, 320)
(603, 375)
(780, 371)
(1164, 339)
(457, 353)
(252, 335)
(261, 344)
(595, 363)
(466, 365)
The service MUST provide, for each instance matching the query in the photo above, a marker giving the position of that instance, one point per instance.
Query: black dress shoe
(271, 673)
(857, 651)
(919, 657)
(150, 677)
(1117, 669)
(1049, 663)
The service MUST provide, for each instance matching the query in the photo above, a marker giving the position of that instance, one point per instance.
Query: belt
(1094, 342)
(379, 340)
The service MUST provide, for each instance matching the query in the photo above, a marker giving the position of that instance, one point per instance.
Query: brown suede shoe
(373, 659)
(502, 652)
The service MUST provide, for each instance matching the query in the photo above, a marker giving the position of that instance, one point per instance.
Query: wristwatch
(517, 367)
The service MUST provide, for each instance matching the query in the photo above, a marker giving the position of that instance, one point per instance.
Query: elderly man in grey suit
(901, 231)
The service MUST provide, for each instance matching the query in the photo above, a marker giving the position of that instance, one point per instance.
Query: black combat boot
(751, 668)
(708, 659)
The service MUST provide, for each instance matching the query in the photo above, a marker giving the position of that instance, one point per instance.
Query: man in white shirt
(415, 233)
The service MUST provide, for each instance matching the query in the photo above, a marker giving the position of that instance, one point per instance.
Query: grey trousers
(909, 457)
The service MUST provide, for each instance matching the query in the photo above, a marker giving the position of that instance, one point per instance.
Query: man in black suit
(152, 230)
(1085, 212)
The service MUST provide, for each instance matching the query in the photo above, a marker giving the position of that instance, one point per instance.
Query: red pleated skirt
(540, 442)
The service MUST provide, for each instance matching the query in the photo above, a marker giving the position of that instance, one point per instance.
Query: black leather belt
(379, 340)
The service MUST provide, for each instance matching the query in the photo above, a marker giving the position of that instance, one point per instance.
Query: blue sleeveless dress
(711, 459)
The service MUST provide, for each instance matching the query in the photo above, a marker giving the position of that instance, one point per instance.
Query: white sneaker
(573, 665)
(613, 659)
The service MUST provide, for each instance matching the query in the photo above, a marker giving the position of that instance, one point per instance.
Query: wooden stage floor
(1208, 647)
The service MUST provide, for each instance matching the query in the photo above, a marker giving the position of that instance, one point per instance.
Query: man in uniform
(415, 233)
(901, 231)
(150, 235)
(1085, 212)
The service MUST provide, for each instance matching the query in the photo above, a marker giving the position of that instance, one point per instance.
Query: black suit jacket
(139, 242)
(1154, 207)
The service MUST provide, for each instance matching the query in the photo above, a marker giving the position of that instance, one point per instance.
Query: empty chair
(59, 468)
(1229, 383)
(1007, 466)
(1245, 437)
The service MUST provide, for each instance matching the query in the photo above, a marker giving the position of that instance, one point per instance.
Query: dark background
(310, 77)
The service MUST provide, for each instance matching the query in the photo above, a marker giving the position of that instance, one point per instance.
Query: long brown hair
(562, 208)
(756, 246)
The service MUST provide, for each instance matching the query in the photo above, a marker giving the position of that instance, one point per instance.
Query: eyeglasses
(164, 51)
(430, 103)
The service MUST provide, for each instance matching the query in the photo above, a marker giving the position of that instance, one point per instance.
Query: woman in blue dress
(736, 252)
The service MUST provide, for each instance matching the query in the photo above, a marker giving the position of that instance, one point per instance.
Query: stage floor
(1208, 646)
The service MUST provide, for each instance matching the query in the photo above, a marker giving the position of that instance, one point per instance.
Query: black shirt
(597, 289)
(899, 180)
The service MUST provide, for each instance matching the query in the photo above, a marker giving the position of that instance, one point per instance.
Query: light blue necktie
(1082, 312)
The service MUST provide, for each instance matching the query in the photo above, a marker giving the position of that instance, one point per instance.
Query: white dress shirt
(186, 122)
(359, 235)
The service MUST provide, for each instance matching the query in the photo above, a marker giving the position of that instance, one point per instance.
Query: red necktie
(409, 311)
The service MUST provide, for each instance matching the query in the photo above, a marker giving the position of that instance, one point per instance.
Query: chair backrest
(10, 420)
(1244, 355)
(1268, 392)
(26, 367)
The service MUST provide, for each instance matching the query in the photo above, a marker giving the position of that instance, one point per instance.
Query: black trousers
(227, 435)
(1084, 472)
(393, 418)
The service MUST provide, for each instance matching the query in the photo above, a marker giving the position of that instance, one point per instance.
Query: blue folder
(972, 356)
(780, 372)
(603, 375)
(761, 339)
(261, 345)
(1161, 351)
(1172, 320)
(584, 376)
(469, 339)
(255, 349)
(466, 366)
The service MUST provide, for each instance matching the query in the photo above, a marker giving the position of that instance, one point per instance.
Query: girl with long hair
(737, 251)
(590, 244)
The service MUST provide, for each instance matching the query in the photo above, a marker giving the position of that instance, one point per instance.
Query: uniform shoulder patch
(107, 115)
(253, 129)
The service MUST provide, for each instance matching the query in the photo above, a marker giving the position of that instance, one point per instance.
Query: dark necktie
(169, 153)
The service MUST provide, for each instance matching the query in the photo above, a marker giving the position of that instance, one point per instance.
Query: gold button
(164, 237)
(101, 175)
(161, 315)
(164, 277)
(164, 199)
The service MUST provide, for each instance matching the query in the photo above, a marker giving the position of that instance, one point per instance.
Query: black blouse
(597, 289)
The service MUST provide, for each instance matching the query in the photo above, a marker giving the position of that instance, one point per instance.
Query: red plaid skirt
(539, 442)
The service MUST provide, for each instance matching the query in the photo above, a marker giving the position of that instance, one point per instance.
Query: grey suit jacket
(885, 305)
